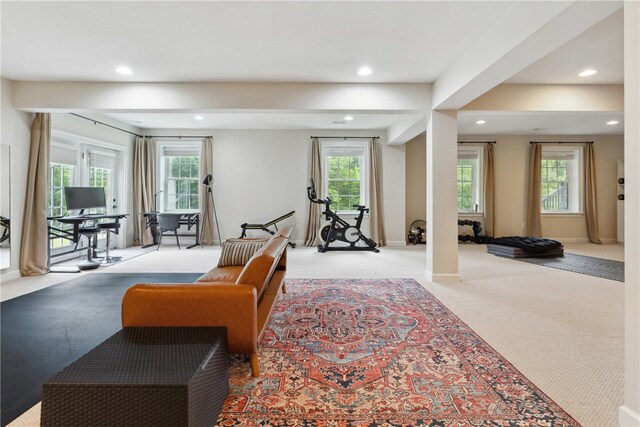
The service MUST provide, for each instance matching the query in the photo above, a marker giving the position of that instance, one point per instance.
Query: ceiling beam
(216, 97)
(405, 128)
(559, 98)
(522, 35)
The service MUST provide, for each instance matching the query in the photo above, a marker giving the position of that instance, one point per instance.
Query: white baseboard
(628, 417)
(9, 275)
(396, 243)
(442, 278)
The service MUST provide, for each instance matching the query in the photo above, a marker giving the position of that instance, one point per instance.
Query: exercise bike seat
(361, 207)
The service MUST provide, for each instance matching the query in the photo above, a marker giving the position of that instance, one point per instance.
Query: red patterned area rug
(346, 353)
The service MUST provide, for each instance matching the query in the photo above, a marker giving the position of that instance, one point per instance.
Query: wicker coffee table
(143, 377)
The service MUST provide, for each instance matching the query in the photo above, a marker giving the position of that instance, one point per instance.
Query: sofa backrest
(259, 269)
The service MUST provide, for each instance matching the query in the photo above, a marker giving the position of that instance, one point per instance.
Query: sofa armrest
(211, 304)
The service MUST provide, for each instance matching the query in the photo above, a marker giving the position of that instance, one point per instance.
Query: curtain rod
(98, 122)
(476, 142)
(180, 136)
(346, 137)
(560, 142)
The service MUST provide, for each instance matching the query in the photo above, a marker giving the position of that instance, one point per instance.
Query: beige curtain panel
(591, 195)
(313, 216)
(34, 246)
(376, 220)
(489, 193)
(534, 226)
(206, 167)
(144, 188)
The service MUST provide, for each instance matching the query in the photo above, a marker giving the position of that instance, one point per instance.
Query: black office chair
(168, 222)
(109, 226)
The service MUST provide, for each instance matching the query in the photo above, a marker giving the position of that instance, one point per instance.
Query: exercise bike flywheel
(346, 234)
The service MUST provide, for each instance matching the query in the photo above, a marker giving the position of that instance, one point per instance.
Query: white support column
(442, 206)
(629, 413)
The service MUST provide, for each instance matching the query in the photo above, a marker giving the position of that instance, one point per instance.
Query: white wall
(511, 165)
(15, 133)
(120, 141)
(629, 414)
(262, 174)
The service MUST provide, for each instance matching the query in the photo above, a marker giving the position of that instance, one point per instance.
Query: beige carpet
(563, 330)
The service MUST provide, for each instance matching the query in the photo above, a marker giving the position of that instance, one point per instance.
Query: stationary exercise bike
(340, 229)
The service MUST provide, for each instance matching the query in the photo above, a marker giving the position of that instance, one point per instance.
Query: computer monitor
(84, 197)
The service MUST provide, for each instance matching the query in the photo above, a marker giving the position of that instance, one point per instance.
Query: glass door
(101, 172)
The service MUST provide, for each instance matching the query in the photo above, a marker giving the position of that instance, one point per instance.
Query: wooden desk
(190, 219)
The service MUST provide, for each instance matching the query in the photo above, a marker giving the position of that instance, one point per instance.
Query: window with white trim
(345, 167)
(469, 179)
(179, 177)
(561, 186)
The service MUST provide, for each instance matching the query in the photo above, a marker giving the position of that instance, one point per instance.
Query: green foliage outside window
(344, 181)
(101, 177)
(183, 182)
(465, 186)
(60, 176)
(554, 185)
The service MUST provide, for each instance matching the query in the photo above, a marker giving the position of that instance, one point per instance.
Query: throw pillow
(238, 252)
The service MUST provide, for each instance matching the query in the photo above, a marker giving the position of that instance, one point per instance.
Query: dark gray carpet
(598, 267)
(47, 330)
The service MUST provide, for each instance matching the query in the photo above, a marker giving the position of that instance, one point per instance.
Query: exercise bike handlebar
(311, 194)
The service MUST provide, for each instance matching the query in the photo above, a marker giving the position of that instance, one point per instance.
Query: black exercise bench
(265, 227)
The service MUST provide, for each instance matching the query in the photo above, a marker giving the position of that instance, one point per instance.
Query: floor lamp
(208, 181)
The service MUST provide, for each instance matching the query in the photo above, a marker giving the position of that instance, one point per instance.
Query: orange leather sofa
(238, 297)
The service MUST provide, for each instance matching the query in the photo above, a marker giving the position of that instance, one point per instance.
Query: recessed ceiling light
(365, 71)
(198, 117)
(588, 72)
(612, 122)
(480, 122)
(348, 118)
(124, 70)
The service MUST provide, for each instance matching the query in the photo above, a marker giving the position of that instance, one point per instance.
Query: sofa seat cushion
(222, 274)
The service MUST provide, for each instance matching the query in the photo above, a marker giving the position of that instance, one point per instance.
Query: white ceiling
(600, 48)
(513, 123)
(323, 41)
(317, 41)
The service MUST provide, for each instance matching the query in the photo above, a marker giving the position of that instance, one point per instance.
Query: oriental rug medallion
(347, 353)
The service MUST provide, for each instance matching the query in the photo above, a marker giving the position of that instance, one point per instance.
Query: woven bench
(525, 247)
(143, 377)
